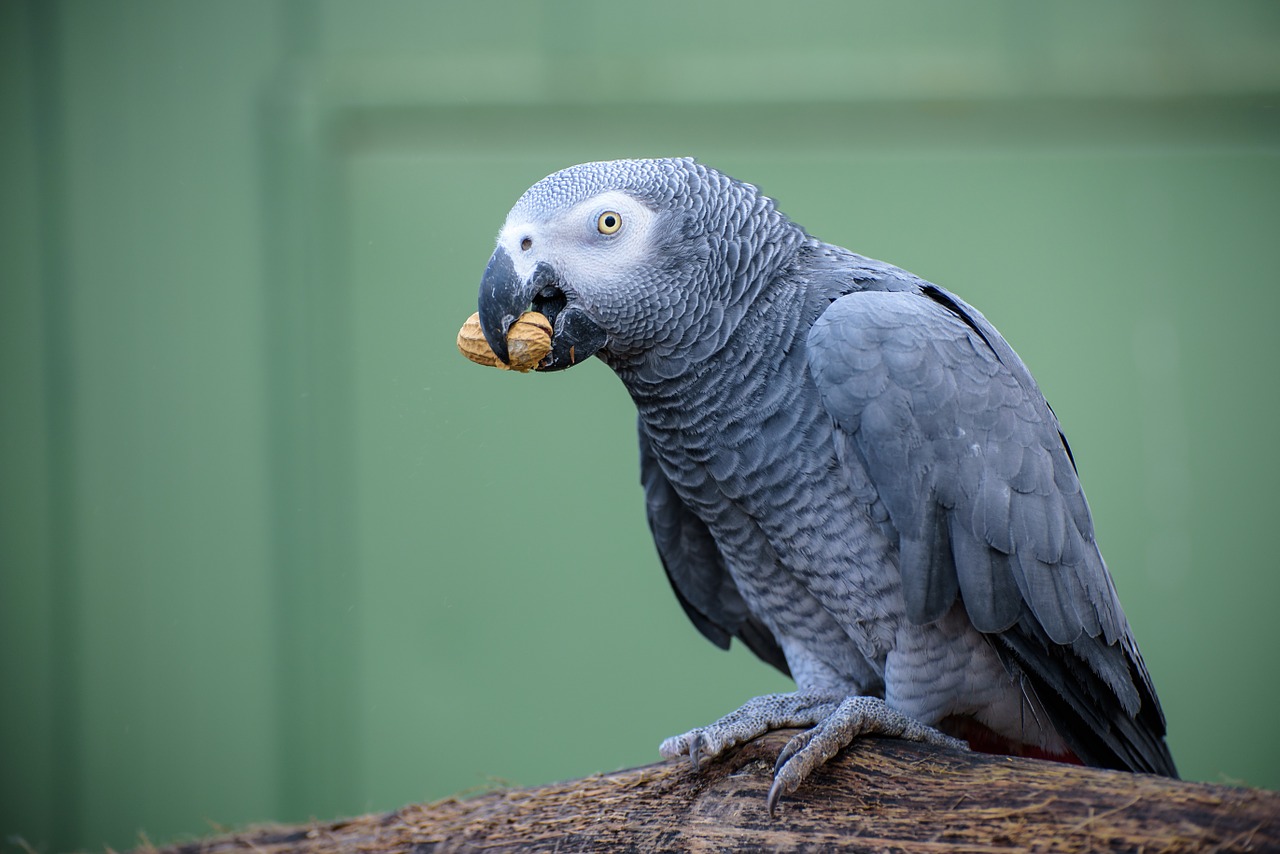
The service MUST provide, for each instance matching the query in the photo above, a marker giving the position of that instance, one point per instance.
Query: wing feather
(979, 485)
(696, 569)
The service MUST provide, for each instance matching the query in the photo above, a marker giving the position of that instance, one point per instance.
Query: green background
(270, 549)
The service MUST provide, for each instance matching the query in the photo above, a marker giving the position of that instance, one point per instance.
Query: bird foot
(853, 717)
(756, 717)
(835, 722)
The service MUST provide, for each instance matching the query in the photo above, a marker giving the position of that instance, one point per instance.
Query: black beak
(504, 297)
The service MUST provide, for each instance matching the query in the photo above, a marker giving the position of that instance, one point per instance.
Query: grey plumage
(845, 466)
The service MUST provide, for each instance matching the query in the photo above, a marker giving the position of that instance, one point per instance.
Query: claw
(856, 717)
(695, 747)
(752, 719)
(775, 794)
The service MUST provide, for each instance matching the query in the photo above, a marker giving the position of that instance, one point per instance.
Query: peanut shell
(528, 343)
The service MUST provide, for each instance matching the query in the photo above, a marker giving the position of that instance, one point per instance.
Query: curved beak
(504, 296)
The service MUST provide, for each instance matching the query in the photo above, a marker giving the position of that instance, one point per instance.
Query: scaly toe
(941, 739)
(791, 748)
(754, 718)
(803, 755)
(675, 746)
(788, 778)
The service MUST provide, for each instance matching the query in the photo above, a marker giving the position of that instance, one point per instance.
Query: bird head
(632, 260)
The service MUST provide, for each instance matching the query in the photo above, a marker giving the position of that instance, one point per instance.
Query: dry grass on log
(880, 795)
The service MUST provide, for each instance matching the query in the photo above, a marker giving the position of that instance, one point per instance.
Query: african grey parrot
(845, 466)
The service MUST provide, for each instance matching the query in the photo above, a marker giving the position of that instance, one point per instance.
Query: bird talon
(695, 747)
(789, 777)
(775, 794)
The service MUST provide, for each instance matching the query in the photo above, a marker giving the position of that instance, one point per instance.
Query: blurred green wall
(269, 548)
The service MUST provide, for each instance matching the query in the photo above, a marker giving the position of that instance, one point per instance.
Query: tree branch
(881, 794)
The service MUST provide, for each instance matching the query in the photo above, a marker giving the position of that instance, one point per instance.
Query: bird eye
(609, 222)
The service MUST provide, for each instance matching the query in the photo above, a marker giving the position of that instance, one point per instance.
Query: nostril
(526, 244)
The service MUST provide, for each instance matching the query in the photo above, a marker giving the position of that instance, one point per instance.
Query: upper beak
(504, 296)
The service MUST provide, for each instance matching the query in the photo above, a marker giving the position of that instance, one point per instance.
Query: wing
(697, 571)
(977, 479)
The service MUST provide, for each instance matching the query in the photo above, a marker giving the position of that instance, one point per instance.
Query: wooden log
(879, 795)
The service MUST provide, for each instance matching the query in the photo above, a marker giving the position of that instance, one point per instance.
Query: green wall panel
(157, 622)
(29, 591)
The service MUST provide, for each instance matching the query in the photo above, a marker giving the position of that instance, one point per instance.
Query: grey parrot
(845, 467)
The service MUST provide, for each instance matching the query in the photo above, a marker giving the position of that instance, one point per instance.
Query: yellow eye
(609, 222)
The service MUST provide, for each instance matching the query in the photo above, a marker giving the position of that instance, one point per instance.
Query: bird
(845, 467)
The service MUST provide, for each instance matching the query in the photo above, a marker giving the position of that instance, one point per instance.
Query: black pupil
(609, 222)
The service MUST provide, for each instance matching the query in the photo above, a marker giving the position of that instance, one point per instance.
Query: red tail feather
(986, 740)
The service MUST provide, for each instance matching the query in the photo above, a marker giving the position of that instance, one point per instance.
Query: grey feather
(990, 443)
(1019, 531)
(696, 569)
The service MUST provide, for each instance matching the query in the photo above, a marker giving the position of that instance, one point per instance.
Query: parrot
(845, 467)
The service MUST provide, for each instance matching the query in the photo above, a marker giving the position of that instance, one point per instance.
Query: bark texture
(880, 795)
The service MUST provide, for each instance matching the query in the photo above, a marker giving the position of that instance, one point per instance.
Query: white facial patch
(575, 243)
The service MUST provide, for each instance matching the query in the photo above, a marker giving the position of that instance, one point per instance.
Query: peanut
(528, 342)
